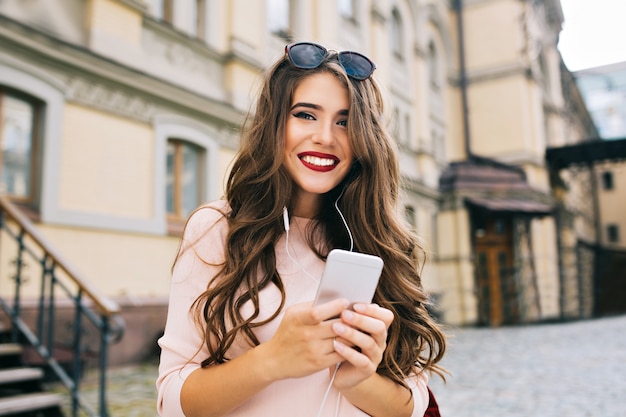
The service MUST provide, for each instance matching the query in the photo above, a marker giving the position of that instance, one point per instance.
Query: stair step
(7, 349)
(29, 402)
(13, 375)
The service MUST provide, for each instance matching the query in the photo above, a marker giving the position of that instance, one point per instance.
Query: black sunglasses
(308, 55)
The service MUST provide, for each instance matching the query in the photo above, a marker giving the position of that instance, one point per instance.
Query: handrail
(59, 281)
(106, 306)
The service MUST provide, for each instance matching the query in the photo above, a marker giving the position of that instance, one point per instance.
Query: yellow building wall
(106, 164)
(246, 25)
(613, 203)
(115, 19)
(545, 253)
(455, 268)
(489, 38)
(114, 30)
(120, 265)
(502, 116)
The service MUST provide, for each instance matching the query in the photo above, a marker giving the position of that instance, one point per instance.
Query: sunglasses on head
(308, 55)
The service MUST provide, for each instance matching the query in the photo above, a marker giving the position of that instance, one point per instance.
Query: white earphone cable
(343, 219)
(330, 384)
(287, 227)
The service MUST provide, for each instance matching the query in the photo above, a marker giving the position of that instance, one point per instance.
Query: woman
(316, 170)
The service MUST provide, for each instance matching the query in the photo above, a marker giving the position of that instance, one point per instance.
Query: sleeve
(419, 388)
(182, 345)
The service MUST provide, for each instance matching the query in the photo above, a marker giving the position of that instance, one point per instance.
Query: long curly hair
(258, 189)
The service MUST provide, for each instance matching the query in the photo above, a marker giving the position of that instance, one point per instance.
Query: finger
(353, 356)
(374, 310)
(330, 309)
(359, 341)
(372, 326)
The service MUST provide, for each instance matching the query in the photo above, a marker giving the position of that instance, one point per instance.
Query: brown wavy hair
(258, 189)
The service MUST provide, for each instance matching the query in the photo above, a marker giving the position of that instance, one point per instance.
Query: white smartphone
(350, 275)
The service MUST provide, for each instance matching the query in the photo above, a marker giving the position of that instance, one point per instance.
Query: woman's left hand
(361, 340)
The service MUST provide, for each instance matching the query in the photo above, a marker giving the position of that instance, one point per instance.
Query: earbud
(286, 219)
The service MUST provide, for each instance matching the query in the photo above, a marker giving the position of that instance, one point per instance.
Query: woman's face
(318, 154)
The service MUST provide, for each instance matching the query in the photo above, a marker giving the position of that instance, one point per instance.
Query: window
(165, 10)
(433, 66)
(198, 12)
(18, 127)
(545, 73)
(407, 128)
(347, 9)
(397, 43)
(279, 18)
(612, 231)
(607, 180)
(395, 123)
(185, 173)
(409, 214)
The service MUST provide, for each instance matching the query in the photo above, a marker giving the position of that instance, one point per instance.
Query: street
(575, 369)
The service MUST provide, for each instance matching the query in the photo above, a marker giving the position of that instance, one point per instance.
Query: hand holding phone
(350, 275)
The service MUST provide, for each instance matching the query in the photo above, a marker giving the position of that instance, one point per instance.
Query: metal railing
(46, 290)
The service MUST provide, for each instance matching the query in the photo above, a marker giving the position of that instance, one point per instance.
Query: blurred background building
(603, 89)
(119, 117)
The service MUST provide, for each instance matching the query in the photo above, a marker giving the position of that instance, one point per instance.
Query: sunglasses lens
(356, 65)
(306, 55)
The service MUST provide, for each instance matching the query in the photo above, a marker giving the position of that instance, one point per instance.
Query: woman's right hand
(303, 342)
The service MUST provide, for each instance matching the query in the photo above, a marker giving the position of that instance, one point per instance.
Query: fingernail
(347, 314)
(339, 328)
(337, 345)
(360, 308)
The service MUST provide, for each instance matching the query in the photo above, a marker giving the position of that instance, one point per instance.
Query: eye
(343, 123)
(304, 115)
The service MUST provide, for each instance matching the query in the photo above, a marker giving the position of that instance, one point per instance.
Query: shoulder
(206, 217)
(206, 226)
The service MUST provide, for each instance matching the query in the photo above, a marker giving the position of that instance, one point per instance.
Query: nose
(324, 133)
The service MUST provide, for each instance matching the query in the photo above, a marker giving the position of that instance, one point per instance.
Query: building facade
(604, 92)
(121, 116)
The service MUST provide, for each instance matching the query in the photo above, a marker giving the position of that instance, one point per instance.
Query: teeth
(321, 162)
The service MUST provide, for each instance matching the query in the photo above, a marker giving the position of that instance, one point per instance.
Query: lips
(317, 161)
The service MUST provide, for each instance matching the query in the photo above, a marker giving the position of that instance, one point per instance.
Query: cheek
(290, 137)
(346, 145)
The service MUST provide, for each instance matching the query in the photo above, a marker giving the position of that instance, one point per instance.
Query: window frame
(348, 9)
(608, 181)
(204, 136)
(397, 34)
(284, 29)
(179, 214)
(36, 105)
(612, 233)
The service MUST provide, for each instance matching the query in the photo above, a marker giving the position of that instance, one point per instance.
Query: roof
(509, 205)
(586, 153)
(493, 186)
(482, 173)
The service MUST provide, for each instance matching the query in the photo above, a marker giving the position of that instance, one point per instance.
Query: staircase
(54, 322)
(22, 392)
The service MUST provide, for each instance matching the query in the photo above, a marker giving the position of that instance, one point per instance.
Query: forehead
(322, 87)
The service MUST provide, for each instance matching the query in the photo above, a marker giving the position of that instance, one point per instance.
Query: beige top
(181, 340)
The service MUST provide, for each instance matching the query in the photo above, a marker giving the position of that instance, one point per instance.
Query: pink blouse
(181, 340)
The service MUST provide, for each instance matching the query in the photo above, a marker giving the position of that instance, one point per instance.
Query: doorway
(496, 286)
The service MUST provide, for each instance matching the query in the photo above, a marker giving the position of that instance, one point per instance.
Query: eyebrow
(313, 106)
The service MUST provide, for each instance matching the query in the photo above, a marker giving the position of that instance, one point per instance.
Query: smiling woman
(318, 154)
(243, 337)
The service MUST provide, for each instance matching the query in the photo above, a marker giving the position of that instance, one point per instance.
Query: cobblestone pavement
(130, 391)
(575, 369)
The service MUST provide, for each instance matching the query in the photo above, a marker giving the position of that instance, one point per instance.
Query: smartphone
(350, 275)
